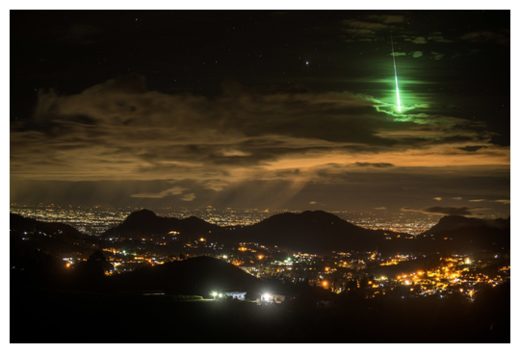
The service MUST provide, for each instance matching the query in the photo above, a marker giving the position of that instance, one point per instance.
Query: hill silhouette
(197, 275)
(310, 231)
(52, 237)
(146, 222)
(453, 223)
(471, 234)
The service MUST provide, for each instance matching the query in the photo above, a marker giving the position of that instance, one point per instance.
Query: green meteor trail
(397, 95)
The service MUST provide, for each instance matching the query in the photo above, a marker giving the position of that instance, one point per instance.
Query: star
(307, 62)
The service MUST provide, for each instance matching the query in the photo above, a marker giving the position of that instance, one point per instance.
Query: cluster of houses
(265, 298)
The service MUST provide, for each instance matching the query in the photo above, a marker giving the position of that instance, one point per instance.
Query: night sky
(262, 109)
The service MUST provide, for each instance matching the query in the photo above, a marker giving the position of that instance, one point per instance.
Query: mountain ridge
(317, 231)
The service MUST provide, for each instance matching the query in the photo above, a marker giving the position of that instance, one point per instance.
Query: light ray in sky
(397, 94)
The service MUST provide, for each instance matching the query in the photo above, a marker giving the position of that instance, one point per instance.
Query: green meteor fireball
(397, 94)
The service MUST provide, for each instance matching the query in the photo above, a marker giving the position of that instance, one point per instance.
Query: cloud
(231, 152)
(388, 18)
(417, 40)
(188, 197)
(437, 198)
(436, 55)
(504, 202)
(471, 148)
(417, 54)
(434, 37)
(176, 190)
(438, 37)
(368, 28)
(374, 165)
(365, 25)
(445, 211)
(121, 130)
(500, 38)
(452, 211)
(343, 186)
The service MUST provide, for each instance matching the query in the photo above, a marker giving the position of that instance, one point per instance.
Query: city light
(325, 284)
(216, 295)
(371, 271)
(266, 297)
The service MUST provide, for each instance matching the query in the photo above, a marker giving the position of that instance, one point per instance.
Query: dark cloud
(452, 211)
(368, 28)
(500, 38)
(120, 129)
(471, 148)
(427, 38)
(375, 165)
(415, 39)
(388, 18)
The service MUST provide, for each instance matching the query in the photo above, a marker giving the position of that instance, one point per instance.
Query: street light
(266, 297)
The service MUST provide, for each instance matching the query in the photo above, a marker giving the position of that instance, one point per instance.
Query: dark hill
(51, 237)
(471, 234)
(198, 275)
(312, 231)
(147, 223)
(453, 223)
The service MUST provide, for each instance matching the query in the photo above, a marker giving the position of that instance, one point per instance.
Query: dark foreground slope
(91, 317)
(194, 276)
(51, 237)
(49, 306)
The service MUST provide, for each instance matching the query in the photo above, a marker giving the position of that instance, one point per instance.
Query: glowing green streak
(397, 95)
